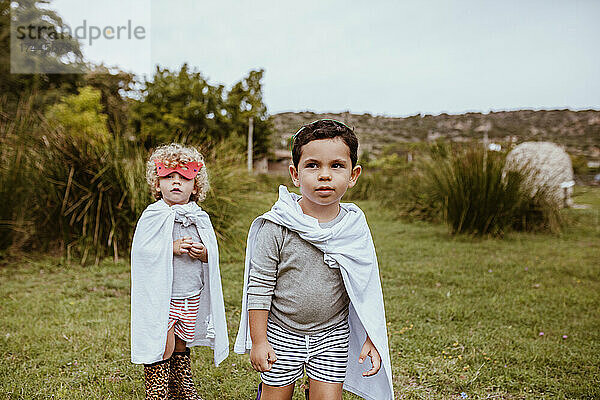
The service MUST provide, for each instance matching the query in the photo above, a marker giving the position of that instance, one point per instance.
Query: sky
(394, 58)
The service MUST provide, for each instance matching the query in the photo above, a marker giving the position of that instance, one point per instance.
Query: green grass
(464, 315)
(587, 195)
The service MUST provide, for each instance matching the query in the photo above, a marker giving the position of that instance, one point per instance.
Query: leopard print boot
(182, 371)
(157, 380)
(173, 387)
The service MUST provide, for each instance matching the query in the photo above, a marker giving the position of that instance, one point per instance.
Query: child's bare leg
(319, 390)
(180, 345)
(170, 346)
(277, 393)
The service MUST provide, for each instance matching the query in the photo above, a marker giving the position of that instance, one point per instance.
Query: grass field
(515, 318)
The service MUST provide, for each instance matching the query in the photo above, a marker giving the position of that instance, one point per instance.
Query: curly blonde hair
(172, 155)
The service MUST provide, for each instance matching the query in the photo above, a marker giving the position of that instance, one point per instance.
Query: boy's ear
(354, 175)
(294, 175)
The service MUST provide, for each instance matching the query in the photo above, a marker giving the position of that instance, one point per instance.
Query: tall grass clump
(102, 193)
(87, 196)
(476, 195)
(83, 197)
(14, 176)
(60, 190)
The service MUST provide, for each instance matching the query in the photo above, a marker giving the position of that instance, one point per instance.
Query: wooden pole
(485, 150)
(250, 132)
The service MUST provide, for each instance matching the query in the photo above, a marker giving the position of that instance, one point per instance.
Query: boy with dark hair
(312, 295)
(324, 129)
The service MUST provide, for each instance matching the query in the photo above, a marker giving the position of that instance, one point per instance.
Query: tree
(244, 100)
(114, 86)
(81, 116)
(183, 106)
(58, 53)
(179, 105)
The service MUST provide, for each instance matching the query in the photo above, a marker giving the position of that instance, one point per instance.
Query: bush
(465, 187)
(81, 116)
(475, 195)
(15, 165)
(84, 197)
(87, 197)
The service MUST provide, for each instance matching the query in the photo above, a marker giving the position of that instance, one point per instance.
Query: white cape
(152, 279)
(348, 245)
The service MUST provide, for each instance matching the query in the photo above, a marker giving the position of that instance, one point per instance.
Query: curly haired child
(176, 294)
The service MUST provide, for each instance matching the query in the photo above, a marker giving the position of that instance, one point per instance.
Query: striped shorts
(182, 315)
(324, 355)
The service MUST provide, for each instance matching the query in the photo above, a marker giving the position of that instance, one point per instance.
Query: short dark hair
(324, 129)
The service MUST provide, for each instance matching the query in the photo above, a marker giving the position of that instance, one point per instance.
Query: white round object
(550, 165)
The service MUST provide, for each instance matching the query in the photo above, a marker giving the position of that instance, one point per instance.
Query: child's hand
(182, 246)
(369, 349)
(262, 356)
(199, 251)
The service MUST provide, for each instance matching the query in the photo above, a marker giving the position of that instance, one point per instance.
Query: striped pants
(182, 315)
(324, 355)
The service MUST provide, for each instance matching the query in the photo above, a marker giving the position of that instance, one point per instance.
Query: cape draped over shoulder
(349, 246)
(152, 280)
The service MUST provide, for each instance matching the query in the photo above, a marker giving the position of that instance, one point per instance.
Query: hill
(577, 131)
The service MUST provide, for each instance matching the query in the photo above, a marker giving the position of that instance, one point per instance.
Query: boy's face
(324, 171)
(175, 188)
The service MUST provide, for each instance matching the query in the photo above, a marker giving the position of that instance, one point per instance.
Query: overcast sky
(384, 57)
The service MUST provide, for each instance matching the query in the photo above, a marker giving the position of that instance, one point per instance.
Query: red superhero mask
(189, 170)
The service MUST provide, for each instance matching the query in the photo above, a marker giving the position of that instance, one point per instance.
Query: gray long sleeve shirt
(289, 277)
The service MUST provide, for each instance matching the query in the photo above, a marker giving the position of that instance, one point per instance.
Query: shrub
(465, 187)
(15, 165)
(84, 197)
(475, 196)
(87, 196)
(81, 116)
